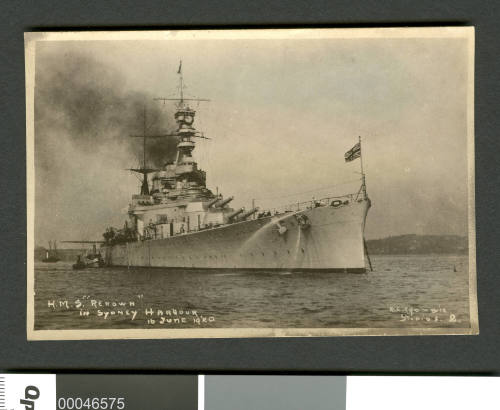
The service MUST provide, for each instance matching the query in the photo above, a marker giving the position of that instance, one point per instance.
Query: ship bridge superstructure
(178, 200)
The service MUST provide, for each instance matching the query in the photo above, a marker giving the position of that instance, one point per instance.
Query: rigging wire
(307, 192)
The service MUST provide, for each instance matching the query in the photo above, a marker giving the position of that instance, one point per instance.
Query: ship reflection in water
(402, 291)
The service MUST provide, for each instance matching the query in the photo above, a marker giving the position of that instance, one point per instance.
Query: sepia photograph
(250, 183)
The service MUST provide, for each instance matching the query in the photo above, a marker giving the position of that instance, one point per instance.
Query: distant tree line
(418, 245)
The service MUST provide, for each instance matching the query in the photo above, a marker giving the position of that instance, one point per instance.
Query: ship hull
(324, 238)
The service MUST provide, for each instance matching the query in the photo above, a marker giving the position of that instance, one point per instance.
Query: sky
(281, 115)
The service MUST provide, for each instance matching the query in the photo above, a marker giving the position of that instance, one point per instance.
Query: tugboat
(97, 262)
(92, 259)
(180, 223)
(79, 263)
(51, 254)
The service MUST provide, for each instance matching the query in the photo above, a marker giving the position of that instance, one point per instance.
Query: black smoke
(90, 104)
(85, 112)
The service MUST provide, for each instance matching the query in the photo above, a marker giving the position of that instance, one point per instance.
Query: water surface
(402, 291)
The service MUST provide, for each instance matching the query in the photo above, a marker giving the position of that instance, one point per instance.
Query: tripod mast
(144, 170)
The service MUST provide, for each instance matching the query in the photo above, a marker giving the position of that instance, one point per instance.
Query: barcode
(2, 392)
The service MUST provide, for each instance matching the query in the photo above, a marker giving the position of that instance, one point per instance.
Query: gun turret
(248, 213)
(223, 202)
(235, 213)
(213, 201)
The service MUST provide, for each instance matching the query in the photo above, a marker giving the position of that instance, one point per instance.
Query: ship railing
(313, 203)
(151, 231)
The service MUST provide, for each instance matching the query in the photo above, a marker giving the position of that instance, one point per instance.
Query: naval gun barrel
(223, 202)
(246, 214)
(235, 213)
(213, 201)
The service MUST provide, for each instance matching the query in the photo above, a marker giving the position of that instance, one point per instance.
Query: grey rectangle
(275, 392)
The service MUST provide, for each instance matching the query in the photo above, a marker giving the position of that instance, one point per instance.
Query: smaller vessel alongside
(79, 263)
(86, 262)
(90, 258)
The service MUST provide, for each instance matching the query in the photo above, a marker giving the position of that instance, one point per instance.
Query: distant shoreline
(413, 244)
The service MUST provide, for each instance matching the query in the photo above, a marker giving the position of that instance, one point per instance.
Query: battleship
(176, 221)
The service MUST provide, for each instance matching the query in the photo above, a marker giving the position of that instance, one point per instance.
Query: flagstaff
(363, 182)
(351, 155)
